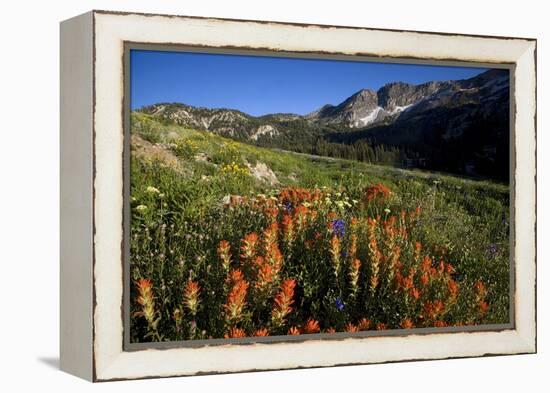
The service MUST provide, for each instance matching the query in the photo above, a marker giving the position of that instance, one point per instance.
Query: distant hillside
(454, 126)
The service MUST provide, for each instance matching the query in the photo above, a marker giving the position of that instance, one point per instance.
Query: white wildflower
(152, 190)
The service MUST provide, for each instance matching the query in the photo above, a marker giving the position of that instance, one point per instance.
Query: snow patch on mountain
(399, 109)
(370, 118)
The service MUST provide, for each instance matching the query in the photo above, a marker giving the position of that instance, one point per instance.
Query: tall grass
(335, 246)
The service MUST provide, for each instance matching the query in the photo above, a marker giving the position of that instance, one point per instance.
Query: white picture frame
(92, 193)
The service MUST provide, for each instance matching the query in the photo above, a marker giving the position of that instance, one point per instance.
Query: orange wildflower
(224, 253)
(272, 213)
(263, 332)
(274, 257)
(191, 296)
(351, 328)
(426, 264)
(283, 302)
(354, 275)
(311, 326)
(482, 307)
(235, 333)
(147, 301)
(377, 191)
(335, 251)
(381, 326)
(330, 330)
(417, 251)
(452, 287)
(434, 309)
(352, 252)
(236, 298)
(415, 293)
(248, 247)
(300, 216)
(406, 323)
(425, 279)
(481, 293)
(354, 224)
(234, 275)
(288, 229)
(293, 331)
(480, 289)
(364, 324)
(270, 235)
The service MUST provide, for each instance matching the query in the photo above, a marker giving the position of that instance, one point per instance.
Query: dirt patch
(150, 152)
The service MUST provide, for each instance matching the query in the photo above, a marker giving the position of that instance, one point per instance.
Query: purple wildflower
(338, 228)
(339, 304)
(288, 206)
(492, 250)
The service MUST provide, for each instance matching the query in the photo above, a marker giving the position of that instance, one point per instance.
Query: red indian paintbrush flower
(300, 217)
(352, 251)
(434, 310)
(191, 296)
(224, 253)
(270, 236)
(440, 323)
(293, 331)
(452, 287)
(311, 326)
(351, 328)
(377, 192)
(482, 307)
(272, 213)
(354, 276)
(147, 301)
(274, 257)
(406, 323)
(236, 298)
(267, 273)
(283, 302)
(426, 264)
(248, 247)
(335, 251)
(374, 253)
(288, 229)
(262, 332)
(235, 333)
(481, 293)
(364, 324)
(415, 293)
(480, 289)
(381, 326)
(393, 262)
(418, 251)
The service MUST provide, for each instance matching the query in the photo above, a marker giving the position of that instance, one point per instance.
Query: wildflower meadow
(230, 240)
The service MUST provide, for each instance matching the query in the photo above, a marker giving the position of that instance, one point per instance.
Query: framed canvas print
(245, 195)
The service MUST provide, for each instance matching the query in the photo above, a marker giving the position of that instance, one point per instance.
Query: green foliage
(179, 218)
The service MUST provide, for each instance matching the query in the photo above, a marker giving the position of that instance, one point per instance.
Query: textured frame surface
(112, 30)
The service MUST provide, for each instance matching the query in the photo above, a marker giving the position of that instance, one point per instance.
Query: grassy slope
(469, 219)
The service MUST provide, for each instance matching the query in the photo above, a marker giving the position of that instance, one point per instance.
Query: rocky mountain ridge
(469, 118)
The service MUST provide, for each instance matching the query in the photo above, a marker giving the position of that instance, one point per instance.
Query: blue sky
(261, 85)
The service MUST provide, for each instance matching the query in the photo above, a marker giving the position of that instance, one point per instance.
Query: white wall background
(29, 197)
